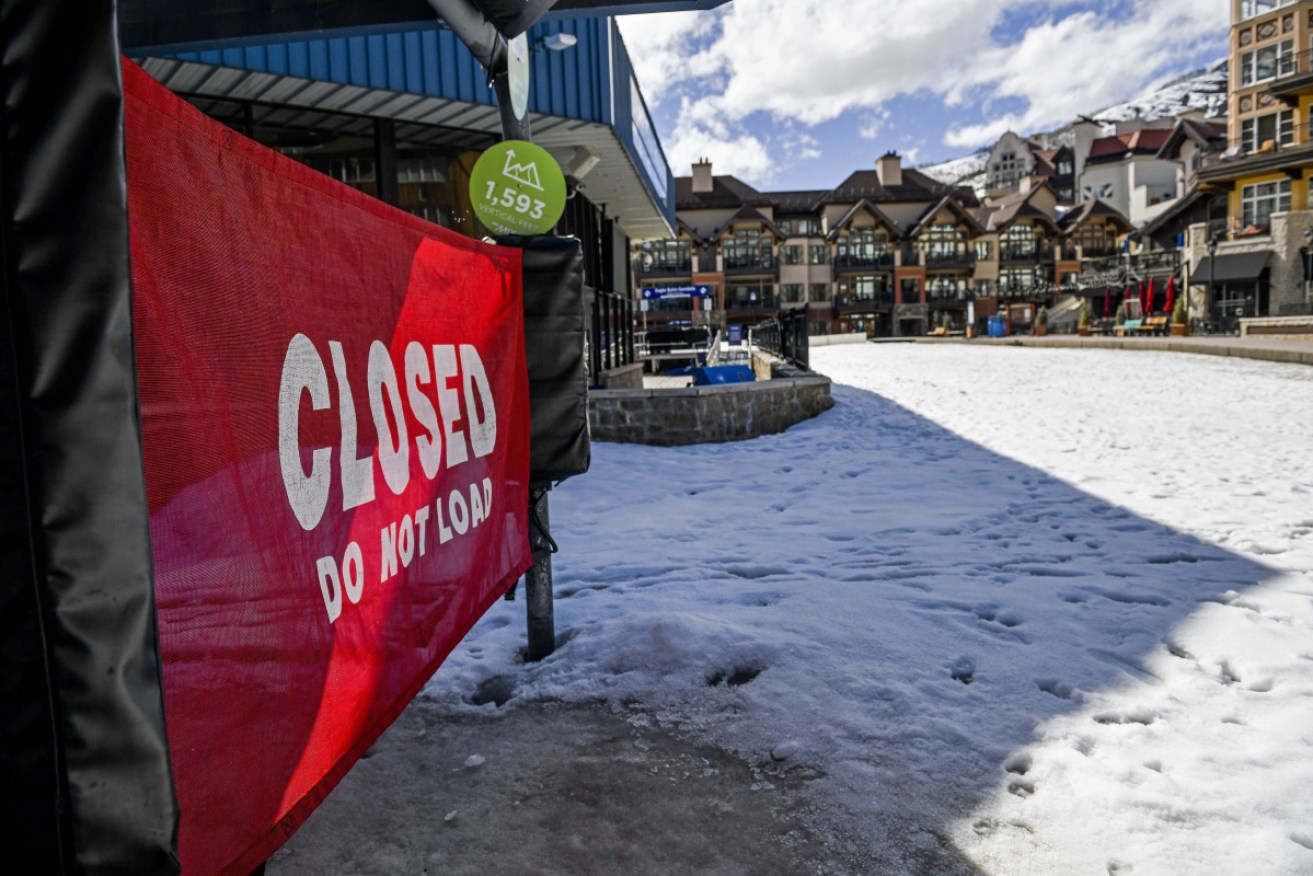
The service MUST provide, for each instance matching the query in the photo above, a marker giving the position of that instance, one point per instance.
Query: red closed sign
(335, 422)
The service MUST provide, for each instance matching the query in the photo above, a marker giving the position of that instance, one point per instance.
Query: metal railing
(1163, 261)
(849, 302)
(667, 268)
(1242, 148)
(883, 261)
(942, 260)
(747, 262)
(785, 336)
(1295, 64)
(1030, 254)
(611, 336)
(941, 296)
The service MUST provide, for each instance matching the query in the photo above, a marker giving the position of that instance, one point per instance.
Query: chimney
(889, 169)
(702, 181)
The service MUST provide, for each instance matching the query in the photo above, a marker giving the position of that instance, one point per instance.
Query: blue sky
(795, 94)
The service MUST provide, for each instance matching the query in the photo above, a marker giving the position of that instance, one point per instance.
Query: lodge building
(888, 252)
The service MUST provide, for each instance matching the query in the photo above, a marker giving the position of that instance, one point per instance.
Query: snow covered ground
(1001, 611)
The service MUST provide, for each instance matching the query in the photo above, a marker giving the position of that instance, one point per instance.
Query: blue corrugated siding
(432, 62)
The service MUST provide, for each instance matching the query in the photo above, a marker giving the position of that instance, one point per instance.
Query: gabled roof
(726, 191)
(1181, 207)
(1092, 209)
(866, 206)
(916, 186)
(800, 202)
(945, 202)
(1146, 141)
(1014, 206)
(749, 214)
(1210, 136)
(683, 227)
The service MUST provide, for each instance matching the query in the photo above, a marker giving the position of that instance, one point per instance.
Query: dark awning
(1240, 267)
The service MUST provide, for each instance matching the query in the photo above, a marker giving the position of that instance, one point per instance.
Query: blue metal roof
(576, 84)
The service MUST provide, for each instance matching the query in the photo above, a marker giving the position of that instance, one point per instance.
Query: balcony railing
(948, 296)
(669, 268)
(1019, 291)
(1292, 65)
(748, 263)
(1157, 262)
(863, 302)
(950, 260)
(1025, 254)
(748, 304)
(1298, 137)
(876, 261)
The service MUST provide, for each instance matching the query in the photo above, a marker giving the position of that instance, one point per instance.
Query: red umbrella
(1148, 302)
(1171, 294)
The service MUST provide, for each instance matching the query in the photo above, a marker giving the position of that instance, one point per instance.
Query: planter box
(1180, 330)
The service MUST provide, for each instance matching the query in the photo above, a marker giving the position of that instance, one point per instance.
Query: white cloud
(870, 128)
(754, 64)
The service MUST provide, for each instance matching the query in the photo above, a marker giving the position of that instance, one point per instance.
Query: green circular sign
(517, 188)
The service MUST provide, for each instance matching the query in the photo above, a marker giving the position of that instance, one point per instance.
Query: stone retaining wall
(624, 377)
(1293, 328)
(706, 414)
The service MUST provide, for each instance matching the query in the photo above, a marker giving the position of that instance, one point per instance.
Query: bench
(1155, 325)
(1129, 328)
(939, 332)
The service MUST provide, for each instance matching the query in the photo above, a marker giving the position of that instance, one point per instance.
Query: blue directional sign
(657, 293)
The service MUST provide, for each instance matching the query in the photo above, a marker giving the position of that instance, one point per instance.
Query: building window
(752, 295)
(665, 256)
(747, 249)
(984, 251)
(1065, 167)
(1096, 240)
(791, 254)
(806, 226)
(984, 289)
(1267, 132)
(1259, 201)
(818, 293)
(1261, 64)
(791, 293)
(942, 287)
(1253, 8)
(1102, 190)
(1019, 242)
(865, 287)
(818, 254)
(862, 246)
(1017, 279)
(943, 241)
(1007, 171)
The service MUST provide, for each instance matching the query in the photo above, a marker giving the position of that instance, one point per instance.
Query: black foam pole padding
(85, 781)
(554, 331)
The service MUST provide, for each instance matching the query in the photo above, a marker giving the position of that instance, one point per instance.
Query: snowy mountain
(966, 171)
(1204, 89)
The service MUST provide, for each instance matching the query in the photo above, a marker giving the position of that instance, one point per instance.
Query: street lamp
(1212, 268)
